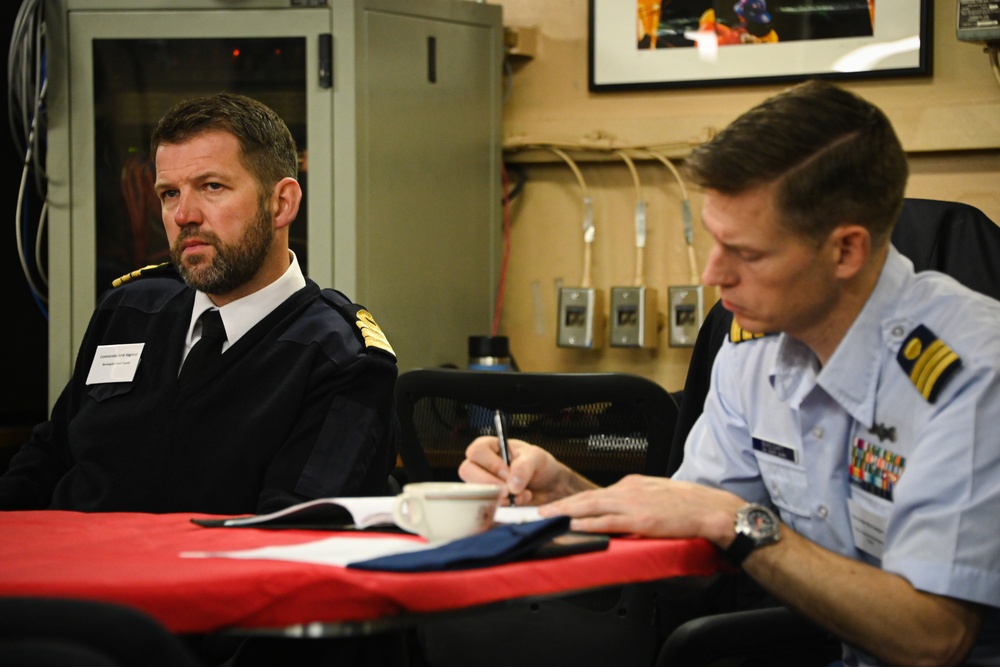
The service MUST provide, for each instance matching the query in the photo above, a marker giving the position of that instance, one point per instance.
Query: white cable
(17, 231)
(26, 95)
(24, 65)
(41, 83)
(588, 215)
(685, 214)
(640, 221)
(20, 205)
(43, 216)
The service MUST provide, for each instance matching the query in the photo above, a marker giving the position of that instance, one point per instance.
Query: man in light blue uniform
(849, 461)
(877, 456)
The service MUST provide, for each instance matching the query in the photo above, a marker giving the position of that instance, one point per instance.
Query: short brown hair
(834, 156)
(267, 148)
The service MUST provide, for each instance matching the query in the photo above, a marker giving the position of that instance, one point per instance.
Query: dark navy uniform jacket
(299, 407)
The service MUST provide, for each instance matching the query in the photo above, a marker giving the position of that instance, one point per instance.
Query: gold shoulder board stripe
(928, 362)
(118, 282)
(372, 333)
(738, 334)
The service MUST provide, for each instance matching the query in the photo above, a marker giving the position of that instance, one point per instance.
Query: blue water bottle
(486, 353)
(489, 353)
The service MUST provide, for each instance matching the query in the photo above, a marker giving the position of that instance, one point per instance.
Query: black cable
(26, 115)
(25, 77)
(520, 177)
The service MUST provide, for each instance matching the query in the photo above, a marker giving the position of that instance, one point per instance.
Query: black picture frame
(641, 44)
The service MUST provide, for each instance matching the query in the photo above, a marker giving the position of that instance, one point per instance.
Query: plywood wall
(949, 123)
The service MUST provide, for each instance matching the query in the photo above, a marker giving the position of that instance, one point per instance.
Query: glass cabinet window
(135, 82)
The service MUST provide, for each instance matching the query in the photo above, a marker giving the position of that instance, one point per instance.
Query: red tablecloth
(134, 559)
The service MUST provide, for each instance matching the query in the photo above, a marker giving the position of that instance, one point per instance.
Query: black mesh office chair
(950, 237)
(605, 425)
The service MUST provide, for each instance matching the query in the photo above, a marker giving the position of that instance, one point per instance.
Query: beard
(234, 264)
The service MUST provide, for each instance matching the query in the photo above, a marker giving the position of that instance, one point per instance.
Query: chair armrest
(750, 633)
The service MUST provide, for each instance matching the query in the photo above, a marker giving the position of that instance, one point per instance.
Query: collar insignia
(738, 334)
(883, 432)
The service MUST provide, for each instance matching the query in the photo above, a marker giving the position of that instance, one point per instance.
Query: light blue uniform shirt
(890, 454)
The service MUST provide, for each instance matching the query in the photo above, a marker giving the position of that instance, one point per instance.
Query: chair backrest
(952, 238)
(603, 425)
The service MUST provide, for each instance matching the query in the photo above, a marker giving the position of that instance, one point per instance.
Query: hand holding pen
(501, 428)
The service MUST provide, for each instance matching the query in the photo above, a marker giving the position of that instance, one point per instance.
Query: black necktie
(208, 347)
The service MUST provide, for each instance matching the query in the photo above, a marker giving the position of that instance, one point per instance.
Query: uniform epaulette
(150, 270)
(738, 334)
(371, 332)
(363, 320)
(928, 361)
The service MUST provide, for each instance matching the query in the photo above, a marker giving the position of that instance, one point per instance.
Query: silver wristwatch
(756, 526)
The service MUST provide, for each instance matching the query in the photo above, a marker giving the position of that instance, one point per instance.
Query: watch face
(761, 522)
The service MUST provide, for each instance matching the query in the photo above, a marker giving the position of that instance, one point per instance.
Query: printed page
(507, 514)
(338, 551)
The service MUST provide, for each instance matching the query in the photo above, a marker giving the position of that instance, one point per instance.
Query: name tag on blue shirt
(774, 449)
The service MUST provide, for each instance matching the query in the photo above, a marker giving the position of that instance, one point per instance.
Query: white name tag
(115, 363)
(868, 528)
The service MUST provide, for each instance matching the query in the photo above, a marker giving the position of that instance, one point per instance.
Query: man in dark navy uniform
(295, 401)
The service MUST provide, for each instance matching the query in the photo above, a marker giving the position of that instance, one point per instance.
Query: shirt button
(818, 432)
(775, 490)
(822, 511)
(898, 331)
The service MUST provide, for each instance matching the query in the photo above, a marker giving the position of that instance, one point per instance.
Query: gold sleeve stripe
(935, 360)
(928, 361)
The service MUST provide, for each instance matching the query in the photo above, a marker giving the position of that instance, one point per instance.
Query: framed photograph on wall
(645, 44)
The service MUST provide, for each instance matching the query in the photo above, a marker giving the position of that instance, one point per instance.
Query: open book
(346, 513)
(327, 513)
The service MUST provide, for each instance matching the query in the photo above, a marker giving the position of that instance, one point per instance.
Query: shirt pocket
(786, 483)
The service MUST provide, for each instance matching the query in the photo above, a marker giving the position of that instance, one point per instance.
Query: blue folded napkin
(501, 544)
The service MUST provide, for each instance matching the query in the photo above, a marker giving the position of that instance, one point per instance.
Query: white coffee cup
(443, 511)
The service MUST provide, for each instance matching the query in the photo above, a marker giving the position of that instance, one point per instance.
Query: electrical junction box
(687, 308)
(978, 21)
(633, 317)
(580, 317)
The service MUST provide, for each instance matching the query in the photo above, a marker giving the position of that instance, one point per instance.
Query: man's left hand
(652, 507)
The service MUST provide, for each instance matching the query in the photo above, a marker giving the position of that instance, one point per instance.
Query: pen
(500, 425)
